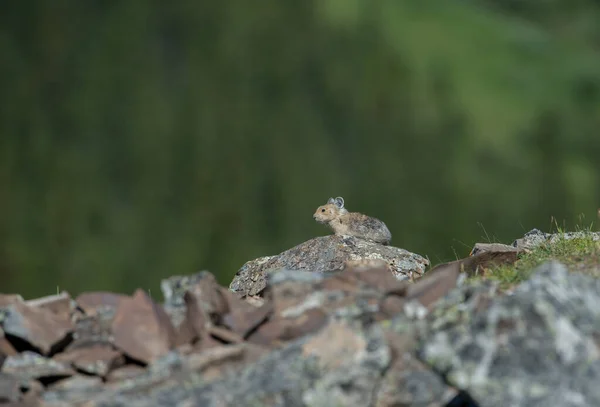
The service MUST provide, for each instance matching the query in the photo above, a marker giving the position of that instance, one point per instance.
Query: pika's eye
(322, 210)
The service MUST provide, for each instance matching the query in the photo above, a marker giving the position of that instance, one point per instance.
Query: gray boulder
(536, 237)
(537, 347)
(327, 253)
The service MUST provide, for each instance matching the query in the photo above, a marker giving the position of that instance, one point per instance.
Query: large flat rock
(327, 253)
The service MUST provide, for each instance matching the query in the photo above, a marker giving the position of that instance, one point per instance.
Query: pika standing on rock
(355, 224)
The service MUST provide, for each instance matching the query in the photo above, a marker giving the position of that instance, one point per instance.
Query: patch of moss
(579, 254)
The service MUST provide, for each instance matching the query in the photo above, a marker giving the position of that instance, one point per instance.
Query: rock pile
(365, 335)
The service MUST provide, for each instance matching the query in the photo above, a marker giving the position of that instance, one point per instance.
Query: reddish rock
(197, 320)
(7, 299)
(380, 279)
(343, 281)
(285, 329)
(201, 360)
(333, 344)
(220, 360)
(491, 247)
(435, 285)
(142, 329)
(6, 348)
(267, 334)
(32, 390)
(39, 327)
(242, 320)
(483, 256)
(392, 305)
(309, 322)
(290, 293)
(95, 359)
(206, 342)
(255, 300)
(10, 389)
(88, 302)
(60, 304)
(233, 301)
(210, 298)
(184, 334)
(224, 335)
(124, 372)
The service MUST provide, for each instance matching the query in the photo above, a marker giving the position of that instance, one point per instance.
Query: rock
(28, 366)
(78, 390)
(95, 359)
(255, 300)
(410, 383)
(90, 302)
(10, 388)
(78, 382)
(207, 297)
(349, 335)
(175, 287)
(243, 320)
(124, 372)
(32, 391)
(302, 301)
(193, 301)
(7, 299)
(208, 305)
(60, 304)
(375, 274)
(290, 327)
(197, 320)
(6, 348)
(320, 344)
(531, 239)
(536, 347)
(38, 327)
(326, 253)
(251, 279)
(536, 237)
(94, 329)
(142, 329)
(303, 373)
(224, 335)
(483, 257)
(492, 247)
(435, 285)
(220, 360)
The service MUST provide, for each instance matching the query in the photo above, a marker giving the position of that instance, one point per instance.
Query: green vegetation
(579, 254)
(142, 139)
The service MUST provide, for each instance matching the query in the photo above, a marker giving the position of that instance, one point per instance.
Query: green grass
(581, 254)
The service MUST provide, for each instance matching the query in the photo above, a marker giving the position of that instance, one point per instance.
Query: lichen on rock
(326, 253)
(536, 347)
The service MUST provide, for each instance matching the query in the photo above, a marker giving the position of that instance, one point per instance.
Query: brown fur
(355, 224)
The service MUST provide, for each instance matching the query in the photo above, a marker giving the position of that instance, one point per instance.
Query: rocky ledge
(327, 253)
(352, 335)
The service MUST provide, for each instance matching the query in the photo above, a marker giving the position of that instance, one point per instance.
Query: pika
(355, 224)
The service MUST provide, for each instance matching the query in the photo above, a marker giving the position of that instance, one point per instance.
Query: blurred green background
(140, 140)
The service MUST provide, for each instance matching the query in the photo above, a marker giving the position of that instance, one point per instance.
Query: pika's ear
(331, 201)
(339, 202)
